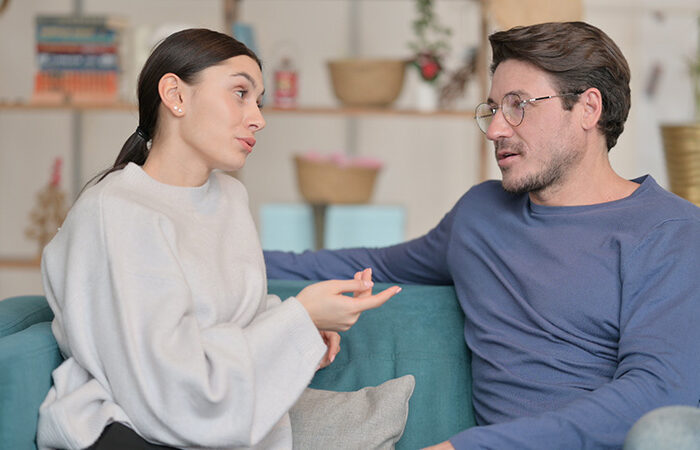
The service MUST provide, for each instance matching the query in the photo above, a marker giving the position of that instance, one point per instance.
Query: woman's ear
(592, 102)
(170, 89)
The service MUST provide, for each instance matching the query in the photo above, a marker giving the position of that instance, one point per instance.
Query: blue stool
(287, 226)
(363, 226)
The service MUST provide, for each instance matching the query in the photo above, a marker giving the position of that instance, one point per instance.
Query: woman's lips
(248, 143)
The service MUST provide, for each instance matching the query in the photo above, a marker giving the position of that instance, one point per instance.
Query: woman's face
(223, 113)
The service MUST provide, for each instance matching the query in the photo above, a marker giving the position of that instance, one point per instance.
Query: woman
(158, 284)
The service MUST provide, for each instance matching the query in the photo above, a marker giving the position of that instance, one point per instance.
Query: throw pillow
(371, 418)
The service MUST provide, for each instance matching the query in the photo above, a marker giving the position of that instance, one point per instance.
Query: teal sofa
(418, 332)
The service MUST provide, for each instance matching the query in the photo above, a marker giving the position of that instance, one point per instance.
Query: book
(48, 61)
(78, 58)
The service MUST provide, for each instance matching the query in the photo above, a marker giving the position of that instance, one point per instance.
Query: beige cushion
(371, 418)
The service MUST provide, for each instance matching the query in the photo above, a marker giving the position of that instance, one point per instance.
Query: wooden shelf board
(364, 111)
(304, 110)
(20, 263)
(119, 106)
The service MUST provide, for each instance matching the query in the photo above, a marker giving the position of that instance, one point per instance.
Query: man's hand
(447, 445)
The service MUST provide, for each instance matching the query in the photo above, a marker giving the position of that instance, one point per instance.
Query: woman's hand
(330, 310)
(332, 340)
(364, 275)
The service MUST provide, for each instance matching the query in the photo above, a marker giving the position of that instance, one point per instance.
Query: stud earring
(177, 108)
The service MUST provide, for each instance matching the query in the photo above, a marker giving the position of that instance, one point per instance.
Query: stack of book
(78, 59)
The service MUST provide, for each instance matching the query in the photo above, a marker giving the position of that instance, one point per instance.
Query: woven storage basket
(367, 82)
(322, 182)
(682, 151)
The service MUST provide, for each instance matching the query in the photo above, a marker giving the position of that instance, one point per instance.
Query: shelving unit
(78, 109)
(231, 14)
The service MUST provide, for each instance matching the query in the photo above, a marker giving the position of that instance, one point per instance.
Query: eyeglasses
(513, 108)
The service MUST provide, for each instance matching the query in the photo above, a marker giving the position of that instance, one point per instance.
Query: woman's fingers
(342, 286)
(330, 310)
(364, 275)
(332, 341)
(377, 300)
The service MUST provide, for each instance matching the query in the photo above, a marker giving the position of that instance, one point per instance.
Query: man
(580, 288)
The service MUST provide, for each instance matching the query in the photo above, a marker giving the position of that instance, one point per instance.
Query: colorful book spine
(78, 59)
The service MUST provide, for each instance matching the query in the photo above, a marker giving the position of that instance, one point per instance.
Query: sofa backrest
(418, 332)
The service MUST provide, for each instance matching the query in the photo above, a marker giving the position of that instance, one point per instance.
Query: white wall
(430, 162)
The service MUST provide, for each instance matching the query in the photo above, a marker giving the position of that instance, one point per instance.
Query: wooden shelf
(365, 111)
(20, 263)
(305, 110)
(119, 106)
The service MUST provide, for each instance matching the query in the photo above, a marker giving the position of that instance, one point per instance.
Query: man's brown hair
(577, 56)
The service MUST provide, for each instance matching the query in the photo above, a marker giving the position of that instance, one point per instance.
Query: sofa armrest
(27, 359)
(18, 313)
(420, 331)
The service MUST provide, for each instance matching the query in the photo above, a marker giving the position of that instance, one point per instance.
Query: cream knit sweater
(163, 316)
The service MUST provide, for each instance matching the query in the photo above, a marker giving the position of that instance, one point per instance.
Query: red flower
(429, 66)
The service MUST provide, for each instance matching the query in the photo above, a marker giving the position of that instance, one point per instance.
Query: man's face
(538, 154)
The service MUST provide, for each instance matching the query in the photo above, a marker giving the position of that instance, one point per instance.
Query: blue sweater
(579, 319)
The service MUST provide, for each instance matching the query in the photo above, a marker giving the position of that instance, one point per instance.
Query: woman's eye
(241, 92)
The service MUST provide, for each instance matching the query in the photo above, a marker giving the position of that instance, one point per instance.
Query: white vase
(427, 96)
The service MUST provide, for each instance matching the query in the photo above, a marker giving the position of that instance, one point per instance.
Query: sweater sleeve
(419, 261)
(129, 319)
(658, 362)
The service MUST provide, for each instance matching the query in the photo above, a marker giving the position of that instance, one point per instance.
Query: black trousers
(120, 437)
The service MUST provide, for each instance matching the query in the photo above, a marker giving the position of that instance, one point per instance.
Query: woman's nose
(256, 121)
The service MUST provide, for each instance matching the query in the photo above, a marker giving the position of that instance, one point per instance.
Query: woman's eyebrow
(246, 76)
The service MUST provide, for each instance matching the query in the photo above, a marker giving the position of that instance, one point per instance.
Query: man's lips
(248, 143)
(506, 157)
(503, 154)
(507, 152)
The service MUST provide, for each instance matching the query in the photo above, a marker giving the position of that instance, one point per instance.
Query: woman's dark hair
(578, 56)
(185, 54)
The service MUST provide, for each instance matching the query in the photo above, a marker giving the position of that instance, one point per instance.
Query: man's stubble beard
(553, 170)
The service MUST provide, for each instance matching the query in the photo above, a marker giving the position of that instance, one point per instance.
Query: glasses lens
(484, 116)
(513, 109)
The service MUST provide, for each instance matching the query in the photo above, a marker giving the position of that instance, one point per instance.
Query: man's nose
(499, 127)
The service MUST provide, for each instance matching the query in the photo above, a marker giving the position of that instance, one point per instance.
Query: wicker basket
(322, 182)
(367, 82)
(682, 150)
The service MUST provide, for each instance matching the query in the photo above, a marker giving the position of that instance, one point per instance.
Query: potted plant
(682, 145)
(429, 49)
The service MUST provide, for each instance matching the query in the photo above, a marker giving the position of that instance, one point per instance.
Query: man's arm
(658, 359)
(420, 261)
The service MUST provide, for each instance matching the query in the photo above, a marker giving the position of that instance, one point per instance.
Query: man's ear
(170, 89)
(592, 102)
